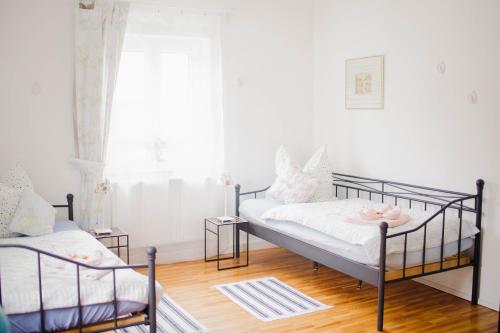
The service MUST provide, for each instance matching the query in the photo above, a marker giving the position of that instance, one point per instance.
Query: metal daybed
(101, 317)
(443, 201)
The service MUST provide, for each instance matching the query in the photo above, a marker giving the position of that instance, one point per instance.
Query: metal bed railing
(397, 190)
(442, 201)
(424, 224)
(149, 312)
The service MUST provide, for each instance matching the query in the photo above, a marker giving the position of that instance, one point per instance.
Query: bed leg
(151, 253)
(315, 265)
(236, 241)
(477, 243)
(381, 276)
(380, 311)
(236, 236)
(360, 285)
(475, 274)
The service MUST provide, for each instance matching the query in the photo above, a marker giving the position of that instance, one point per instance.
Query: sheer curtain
(166, 138)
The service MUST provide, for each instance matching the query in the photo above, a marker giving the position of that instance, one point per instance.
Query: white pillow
(17, 178)
(320, 168)
(284, 164)
(9, 197)
(34, 216)
(291, 184)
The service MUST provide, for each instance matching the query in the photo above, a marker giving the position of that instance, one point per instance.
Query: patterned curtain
(99, 34)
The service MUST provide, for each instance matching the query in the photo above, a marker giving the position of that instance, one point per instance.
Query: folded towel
(371, 216)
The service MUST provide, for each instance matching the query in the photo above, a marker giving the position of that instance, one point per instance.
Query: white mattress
(19, 274)
(252, 209)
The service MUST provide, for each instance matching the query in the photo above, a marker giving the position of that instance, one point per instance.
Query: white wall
(267, 45)
(429, 133)
(36, 126)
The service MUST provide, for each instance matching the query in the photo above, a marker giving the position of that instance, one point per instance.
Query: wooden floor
(410, 306)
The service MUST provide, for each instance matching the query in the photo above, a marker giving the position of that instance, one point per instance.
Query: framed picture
(364, 83)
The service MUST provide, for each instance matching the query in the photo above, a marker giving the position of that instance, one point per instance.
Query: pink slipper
(370, 214)
(392, 213)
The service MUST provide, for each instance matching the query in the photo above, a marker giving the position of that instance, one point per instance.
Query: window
(166, 118)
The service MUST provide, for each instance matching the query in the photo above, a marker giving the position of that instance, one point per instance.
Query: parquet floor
(410, 306)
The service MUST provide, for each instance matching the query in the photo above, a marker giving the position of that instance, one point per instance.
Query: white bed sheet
(20, 278)
(331, 218)
(252, 209)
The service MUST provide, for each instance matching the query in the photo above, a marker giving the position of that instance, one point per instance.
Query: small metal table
(117, 234)
(235, 222)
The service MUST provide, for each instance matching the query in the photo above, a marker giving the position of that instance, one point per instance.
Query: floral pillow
(291, 184)
(17, 178)
(12, 185)
(313, 183)
(9, 198)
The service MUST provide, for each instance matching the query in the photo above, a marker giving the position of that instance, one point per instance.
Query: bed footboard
(113, 323)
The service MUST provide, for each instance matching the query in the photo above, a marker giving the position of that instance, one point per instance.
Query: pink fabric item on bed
(371, 216)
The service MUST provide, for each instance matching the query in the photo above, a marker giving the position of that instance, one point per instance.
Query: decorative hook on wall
(472, 97)
(87, 4)
(441, 67)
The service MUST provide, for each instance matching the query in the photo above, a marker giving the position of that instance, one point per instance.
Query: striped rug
(270, 299)
(170, 317)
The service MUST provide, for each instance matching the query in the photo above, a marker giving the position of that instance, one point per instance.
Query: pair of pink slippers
(389, 213)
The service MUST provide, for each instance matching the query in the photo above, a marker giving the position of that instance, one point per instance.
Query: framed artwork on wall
(364, 83)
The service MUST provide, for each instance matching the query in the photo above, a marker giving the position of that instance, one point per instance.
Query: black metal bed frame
(444, 200)
(149, 312)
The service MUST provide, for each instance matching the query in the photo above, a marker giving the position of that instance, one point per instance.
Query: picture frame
(364, 83)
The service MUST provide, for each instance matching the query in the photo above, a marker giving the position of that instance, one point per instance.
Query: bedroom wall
(267, 72)
(36, 93)
(429, 133)
(267, 60)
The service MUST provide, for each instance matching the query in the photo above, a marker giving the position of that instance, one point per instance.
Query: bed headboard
(69, 205)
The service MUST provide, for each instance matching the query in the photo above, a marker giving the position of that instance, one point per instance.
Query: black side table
(218, 225)
(115, 234)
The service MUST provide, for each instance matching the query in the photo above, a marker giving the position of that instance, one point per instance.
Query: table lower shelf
(242, 261)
